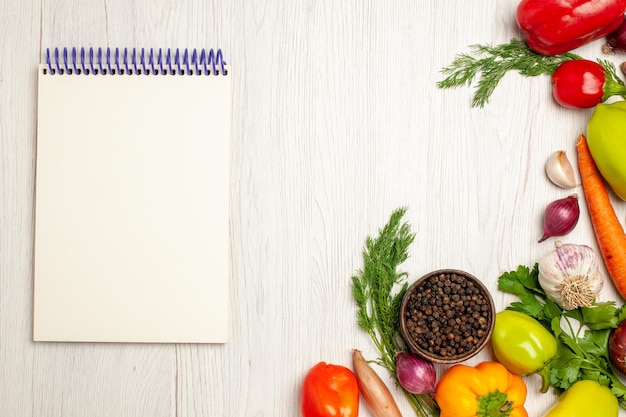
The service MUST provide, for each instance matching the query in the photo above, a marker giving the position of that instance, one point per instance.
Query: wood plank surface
(337, 121)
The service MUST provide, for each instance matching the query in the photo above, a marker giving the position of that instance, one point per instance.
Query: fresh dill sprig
(610, 71)
(378, 306)
(373, 285)
(491, 63)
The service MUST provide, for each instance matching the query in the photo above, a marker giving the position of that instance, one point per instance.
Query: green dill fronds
(372, 286)
(378, 289)
(490, 63)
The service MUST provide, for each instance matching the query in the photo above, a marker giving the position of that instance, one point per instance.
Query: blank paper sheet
(132, 208)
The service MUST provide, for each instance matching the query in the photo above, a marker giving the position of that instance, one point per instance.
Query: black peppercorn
(449, 315)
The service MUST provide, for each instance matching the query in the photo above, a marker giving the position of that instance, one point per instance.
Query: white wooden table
(337, 121)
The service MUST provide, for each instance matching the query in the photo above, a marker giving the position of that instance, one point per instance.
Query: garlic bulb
(560, 171)
(570, 276)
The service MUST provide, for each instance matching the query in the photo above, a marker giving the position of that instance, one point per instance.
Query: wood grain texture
(337, 121)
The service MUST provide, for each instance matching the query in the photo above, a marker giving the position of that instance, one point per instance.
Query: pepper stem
(612, 87)
(494, 404)
(506, 406)
(544, 373)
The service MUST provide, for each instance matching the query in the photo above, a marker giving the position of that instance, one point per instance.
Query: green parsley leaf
(528, 306)
(524, 283)
(621, 314)
(565, 368)
(551, 311)
(510, 283)
(530, 279)
(555, 326)
(594, 343)
(600, 316)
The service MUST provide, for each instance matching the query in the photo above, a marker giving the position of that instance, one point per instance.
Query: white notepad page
(132, 208)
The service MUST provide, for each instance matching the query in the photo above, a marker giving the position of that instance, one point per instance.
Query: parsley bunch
(582, 334)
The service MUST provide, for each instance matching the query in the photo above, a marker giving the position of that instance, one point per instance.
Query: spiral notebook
(132, 196)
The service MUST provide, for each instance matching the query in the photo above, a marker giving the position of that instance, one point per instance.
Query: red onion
(560, 217)
(616, 40)
(617, 347)
(416, 375)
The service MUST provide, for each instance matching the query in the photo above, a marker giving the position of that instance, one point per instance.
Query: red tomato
(578, 84)
(330, 391)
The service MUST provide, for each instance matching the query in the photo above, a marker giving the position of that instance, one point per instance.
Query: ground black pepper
(448, 315)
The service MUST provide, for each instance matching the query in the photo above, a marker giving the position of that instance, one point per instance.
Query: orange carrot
(609, 231)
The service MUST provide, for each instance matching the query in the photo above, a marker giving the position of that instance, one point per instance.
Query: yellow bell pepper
(487, 390)
(584, 399)
(606, 138)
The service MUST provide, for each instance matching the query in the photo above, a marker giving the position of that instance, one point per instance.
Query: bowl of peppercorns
(447, 316)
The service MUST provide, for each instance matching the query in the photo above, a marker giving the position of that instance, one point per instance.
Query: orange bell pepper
(487, 390)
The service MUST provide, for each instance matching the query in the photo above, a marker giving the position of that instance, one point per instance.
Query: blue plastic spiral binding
(110, 61)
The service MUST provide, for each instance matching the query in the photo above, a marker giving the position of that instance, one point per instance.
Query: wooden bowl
(447, 316)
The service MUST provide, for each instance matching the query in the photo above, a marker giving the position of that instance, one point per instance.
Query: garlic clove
(560, 170)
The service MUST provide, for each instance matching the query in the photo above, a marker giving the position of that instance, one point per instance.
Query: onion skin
(374, 391)
(616, 40)
(560, 217)
(617, 347)
(416, 375)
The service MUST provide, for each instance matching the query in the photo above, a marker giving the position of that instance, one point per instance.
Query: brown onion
(560, 217)
(617, 347)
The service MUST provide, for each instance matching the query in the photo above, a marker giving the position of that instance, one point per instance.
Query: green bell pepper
(583, 399)
(523, 345)
(606, 137)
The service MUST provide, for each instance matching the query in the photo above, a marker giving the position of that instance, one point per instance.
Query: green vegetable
(582, 342)
(378, 307)
(584, 399)
(606, 138)
(493, 62)
(523, 345)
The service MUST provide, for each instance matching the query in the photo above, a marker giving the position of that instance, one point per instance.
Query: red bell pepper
(556, 26)
(581, 84)
(330, 391)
